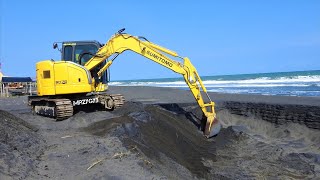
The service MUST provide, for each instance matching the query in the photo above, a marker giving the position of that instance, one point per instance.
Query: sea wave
(299, 81)
(299, 85)
(267, 80)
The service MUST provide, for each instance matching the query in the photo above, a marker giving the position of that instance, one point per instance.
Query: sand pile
(20, 146)
(245, 148)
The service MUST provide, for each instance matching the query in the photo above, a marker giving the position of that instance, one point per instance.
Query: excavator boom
(121, 42)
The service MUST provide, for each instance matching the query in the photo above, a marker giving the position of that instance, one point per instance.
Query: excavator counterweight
(64, 84)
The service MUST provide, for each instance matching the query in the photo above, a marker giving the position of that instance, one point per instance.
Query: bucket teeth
(212, 129)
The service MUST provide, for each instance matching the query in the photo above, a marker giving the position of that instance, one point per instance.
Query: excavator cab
(80, 52)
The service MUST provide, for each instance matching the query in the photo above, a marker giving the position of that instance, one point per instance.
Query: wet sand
(155, 136)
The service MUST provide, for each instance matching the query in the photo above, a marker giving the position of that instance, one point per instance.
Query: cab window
(67, 53)
(80, 49)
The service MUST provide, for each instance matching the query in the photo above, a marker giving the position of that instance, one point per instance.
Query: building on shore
(15, 85)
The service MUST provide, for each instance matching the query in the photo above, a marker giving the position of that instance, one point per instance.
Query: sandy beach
(155, 136)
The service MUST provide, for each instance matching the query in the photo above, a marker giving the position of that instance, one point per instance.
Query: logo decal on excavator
(61, 82)
(160, 59)
(85, 101)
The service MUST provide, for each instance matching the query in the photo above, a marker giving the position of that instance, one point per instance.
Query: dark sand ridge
(142, 140)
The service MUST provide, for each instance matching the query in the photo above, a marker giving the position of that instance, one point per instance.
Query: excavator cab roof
(82, 42)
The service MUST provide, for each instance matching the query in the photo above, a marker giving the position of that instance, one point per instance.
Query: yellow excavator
(80, 79)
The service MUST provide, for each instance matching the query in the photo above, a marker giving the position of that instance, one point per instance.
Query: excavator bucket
(212, 127)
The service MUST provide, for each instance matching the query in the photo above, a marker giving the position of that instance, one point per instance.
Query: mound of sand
(166, 134)
(20, 146)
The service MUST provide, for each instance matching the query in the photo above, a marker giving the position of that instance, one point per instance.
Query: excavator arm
(121, 42)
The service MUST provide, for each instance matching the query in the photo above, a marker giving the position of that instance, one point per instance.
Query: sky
(219, 37)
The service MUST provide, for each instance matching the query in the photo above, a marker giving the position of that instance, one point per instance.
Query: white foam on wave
(299, 81)
(267, 80)
(115, 83)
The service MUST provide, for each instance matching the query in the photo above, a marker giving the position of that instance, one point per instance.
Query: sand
(155, 136)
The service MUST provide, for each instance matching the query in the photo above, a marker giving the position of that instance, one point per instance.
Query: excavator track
(64, 109)
(118, 100)
(111, 101)
(61, 109)
(54, 108)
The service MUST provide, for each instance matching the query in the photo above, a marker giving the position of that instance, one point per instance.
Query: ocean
(297, 83)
